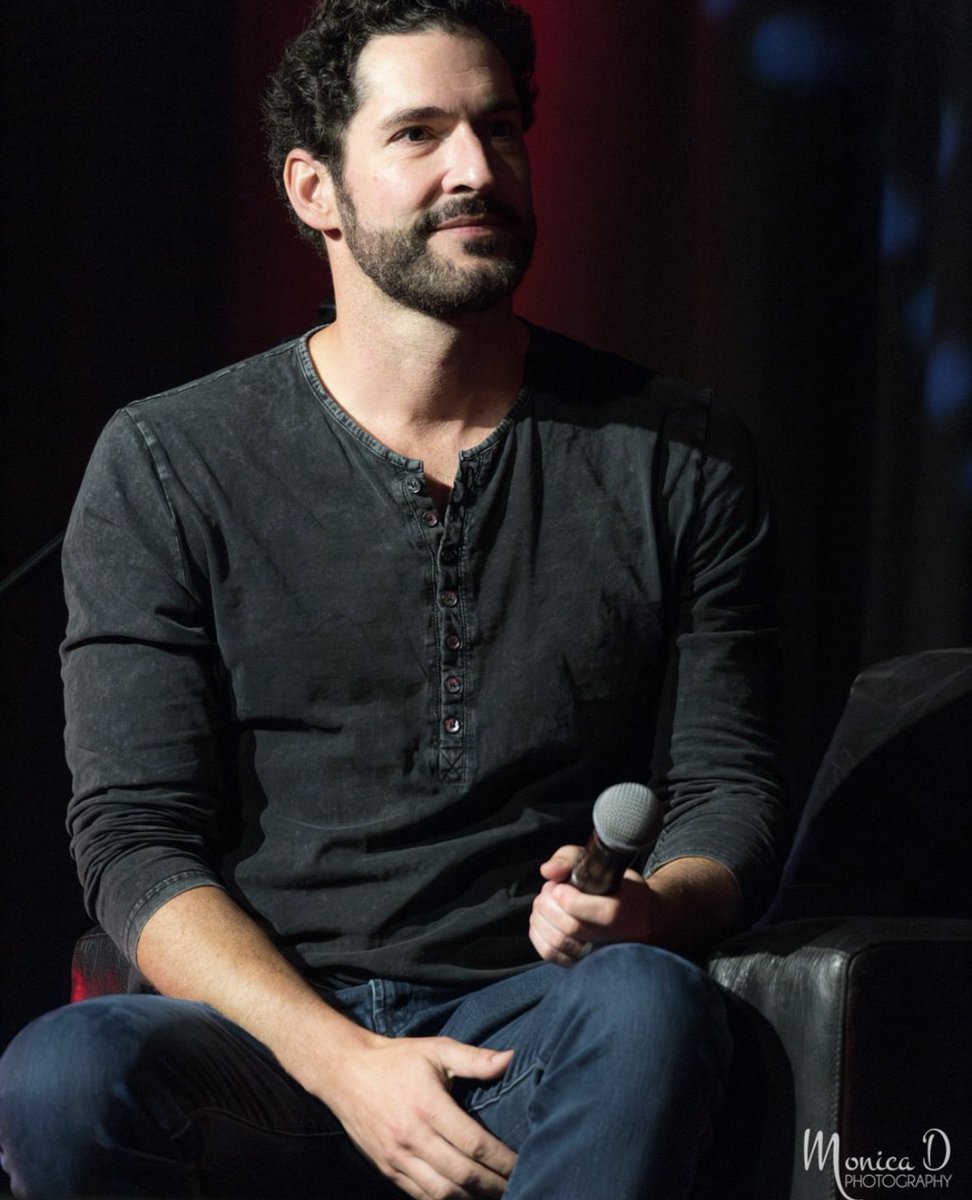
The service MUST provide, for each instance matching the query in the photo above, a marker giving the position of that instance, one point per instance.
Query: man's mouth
(471, 217)
(470, 223)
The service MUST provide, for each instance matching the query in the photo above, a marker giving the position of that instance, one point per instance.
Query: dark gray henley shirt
(288, 676)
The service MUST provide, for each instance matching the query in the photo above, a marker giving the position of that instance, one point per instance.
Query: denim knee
(72, 1047)
(648, 995)
(628, 972)
(75, 1080)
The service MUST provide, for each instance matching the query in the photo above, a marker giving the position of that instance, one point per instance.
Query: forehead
(431, 68)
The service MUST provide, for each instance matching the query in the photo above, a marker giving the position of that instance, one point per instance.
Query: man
(359, 629)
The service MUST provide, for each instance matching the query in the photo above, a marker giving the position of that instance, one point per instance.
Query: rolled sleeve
(719, 743)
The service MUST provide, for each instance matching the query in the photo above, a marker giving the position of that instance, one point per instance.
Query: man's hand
(391, 1095)
(566, 922)
(393, 1100)
(685, 905)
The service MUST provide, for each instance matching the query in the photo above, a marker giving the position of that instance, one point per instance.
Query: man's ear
(310, 188)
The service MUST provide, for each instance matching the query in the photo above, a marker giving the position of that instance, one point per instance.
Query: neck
(399, 372)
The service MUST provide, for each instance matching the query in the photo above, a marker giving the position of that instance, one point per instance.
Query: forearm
(697, 903)
(202, 946)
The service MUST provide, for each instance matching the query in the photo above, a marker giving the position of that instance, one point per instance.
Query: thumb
(560, 864)
(473, 1062)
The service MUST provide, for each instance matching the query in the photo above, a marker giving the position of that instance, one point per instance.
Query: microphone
(627, 819)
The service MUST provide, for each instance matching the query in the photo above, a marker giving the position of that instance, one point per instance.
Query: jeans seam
(378, 999)
(507, 1086)
(260, 1127)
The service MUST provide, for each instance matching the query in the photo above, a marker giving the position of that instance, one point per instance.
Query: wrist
(318, 1046)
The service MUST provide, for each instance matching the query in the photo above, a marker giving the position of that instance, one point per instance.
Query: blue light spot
(793, 48)
(948, 382)
(949, 136)
(919, 314)
(901, 221)
(717, 9)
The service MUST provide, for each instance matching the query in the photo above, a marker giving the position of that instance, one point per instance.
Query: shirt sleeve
(144, 727)
(718, 746)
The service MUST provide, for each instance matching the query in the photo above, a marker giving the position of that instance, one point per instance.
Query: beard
(404, 266)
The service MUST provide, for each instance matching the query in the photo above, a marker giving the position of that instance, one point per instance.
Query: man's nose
(469, 164)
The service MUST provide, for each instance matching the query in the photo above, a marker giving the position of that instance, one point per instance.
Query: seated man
(358, 631)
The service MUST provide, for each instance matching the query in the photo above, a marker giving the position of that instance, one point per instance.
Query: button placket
(424, 511)
(443, 536)
(454, 716)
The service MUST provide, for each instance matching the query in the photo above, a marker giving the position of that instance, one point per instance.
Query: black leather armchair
(852, 1002)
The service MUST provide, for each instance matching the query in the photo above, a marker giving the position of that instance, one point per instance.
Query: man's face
(434, 195)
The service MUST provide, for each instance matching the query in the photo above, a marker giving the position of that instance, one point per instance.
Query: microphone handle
(599, 869)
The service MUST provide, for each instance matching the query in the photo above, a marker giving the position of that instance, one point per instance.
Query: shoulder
(573, 381)
(576, 372)
(236, 394)
(222, 425)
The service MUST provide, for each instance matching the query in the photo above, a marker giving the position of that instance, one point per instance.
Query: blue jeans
(619, 1062)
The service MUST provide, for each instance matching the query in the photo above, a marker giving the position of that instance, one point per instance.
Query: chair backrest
(887, 827)
(98, 967)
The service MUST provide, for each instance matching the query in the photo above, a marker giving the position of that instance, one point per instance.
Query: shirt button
(453, 641)
(450, 599)
(452, 724)
(413, 484)
(453, 684)
(430, 518)
(450, 555)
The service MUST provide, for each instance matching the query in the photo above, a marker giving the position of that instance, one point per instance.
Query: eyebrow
(431, 112)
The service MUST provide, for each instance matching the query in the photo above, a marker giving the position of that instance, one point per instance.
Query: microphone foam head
(627, 817)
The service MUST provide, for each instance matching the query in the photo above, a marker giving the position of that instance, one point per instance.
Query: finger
(443, 1171)
(556, 924)
(572, 913)
(550, 954)
(470, 1062)
(465, 1152)
(560, 864)
(405, 1175)
(409, 1186)
(453, 1123)
(448, 1154)
(588, 912)
(552, 946)
(540, 943)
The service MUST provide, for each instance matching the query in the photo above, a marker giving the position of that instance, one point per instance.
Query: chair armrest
(857, 1026)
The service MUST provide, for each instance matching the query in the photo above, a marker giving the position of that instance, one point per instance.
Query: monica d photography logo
(856, 1175)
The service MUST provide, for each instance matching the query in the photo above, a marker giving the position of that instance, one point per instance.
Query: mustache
(465, 206)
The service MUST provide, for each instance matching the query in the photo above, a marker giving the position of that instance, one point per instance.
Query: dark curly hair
(312, 96)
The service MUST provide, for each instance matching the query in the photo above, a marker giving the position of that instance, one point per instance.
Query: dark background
(770, 198)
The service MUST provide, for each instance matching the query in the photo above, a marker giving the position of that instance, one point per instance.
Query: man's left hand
(566, 922)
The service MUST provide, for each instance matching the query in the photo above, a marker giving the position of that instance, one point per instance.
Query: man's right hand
(391, 1094)
(393, 1100)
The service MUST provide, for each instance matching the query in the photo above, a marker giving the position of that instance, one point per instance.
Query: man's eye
(413, 134)
(502, 128)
